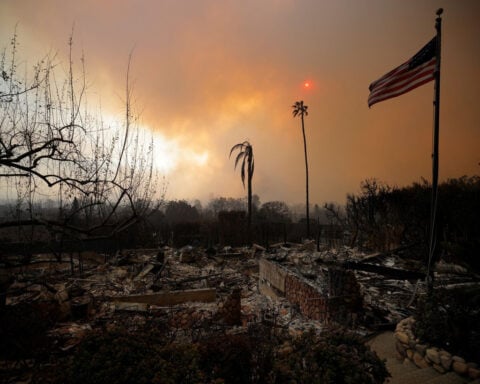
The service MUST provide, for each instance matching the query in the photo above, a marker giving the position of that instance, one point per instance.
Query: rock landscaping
(408, 346)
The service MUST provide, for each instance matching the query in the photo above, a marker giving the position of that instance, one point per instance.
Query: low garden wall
(424, 355)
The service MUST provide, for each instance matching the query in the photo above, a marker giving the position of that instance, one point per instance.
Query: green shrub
(450, 319)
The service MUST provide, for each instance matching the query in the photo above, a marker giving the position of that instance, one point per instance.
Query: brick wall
(310, 301)
(338, 302)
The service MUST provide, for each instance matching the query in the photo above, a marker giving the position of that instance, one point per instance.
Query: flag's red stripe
(390, 95)
(405, 79)
(390, 75)
(426, 74)
(398, 92)
(401, 81)
(403, 75)
(392, 91)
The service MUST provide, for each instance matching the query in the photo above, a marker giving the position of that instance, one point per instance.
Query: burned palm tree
(245, 155)
(299, 109)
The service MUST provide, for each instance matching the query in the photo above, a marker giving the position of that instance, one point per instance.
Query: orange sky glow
(209, 74)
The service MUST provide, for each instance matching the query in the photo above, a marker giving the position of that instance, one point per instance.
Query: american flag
(420, 69)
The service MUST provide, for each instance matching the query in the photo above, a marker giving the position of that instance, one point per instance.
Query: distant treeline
(378, 218)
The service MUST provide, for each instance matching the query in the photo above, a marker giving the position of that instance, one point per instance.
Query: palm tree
(245, 155)
(301, 110)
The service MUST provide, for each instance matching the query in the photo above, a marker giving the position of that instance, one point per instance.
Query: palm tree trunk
(249, 186)
(306, 179)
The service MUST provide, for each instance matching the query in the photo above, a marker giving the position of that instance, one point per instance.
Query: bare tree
(50, 144)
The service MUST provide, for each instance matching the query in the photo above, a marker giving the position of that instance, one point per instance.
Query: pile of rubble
(192, 291)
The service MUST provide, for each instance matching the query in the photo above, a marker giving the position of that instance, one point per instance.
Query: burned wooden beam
(378, 255)
(170, 298)
(392, 273)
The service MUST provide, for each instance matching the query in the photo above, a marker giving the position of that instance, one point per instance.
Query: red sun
(308, 85)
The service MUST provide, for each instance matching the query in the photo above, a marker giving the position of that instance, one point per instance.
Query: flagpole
(435, 155)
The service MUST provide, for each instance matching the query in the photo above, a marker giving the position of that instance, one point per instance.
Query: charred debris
(192, 291)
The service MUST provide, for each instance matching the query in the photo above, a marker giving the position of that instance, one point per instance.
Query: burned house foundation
(334, 295)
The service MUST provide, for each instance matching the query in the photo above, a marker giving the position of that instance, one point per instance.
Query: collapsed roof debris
(192, 291)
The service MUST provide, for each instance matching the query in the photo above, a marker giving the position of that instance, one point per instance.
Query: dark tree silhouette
(245, 154)
(299, 109)
(50, 143)
(275, 212)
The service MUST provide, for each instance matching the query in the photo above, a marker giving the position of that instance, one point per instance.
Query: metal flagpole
(436, 130)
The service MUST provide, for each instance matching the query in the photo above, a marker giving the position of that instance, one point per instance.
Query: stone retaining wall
(424, 355)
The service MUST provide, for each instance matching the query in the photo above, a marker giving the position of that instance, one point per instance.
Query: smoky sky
(209, 74)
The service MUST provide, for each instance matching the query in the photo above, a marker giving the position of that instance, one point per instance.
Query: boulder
(420, 361)
(433, 356)
(446, 361)
(402, 337)
(439, 368)
(460, 368)
(421, 348)
(459, 359)
(410, 353)
(474, 373)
